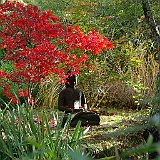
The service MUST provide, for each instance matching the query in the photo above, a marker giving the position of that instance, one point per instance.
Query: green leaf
(150, 139)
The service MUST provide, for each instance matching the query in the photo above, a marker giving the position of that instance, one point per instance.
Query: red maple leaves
(38, 43)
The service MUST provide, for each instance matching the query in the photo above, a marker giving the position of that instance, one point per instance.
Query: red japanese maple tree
(38, 43)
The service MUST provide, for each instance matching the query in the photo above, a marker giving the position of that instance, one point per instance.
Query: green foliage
(1, 53)
(7, 66)
(23, 138)
(114, 18)
(120, 78)
(138, 87)
(57, 7)
(155, 5)
(48, 91)
(149, 146)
